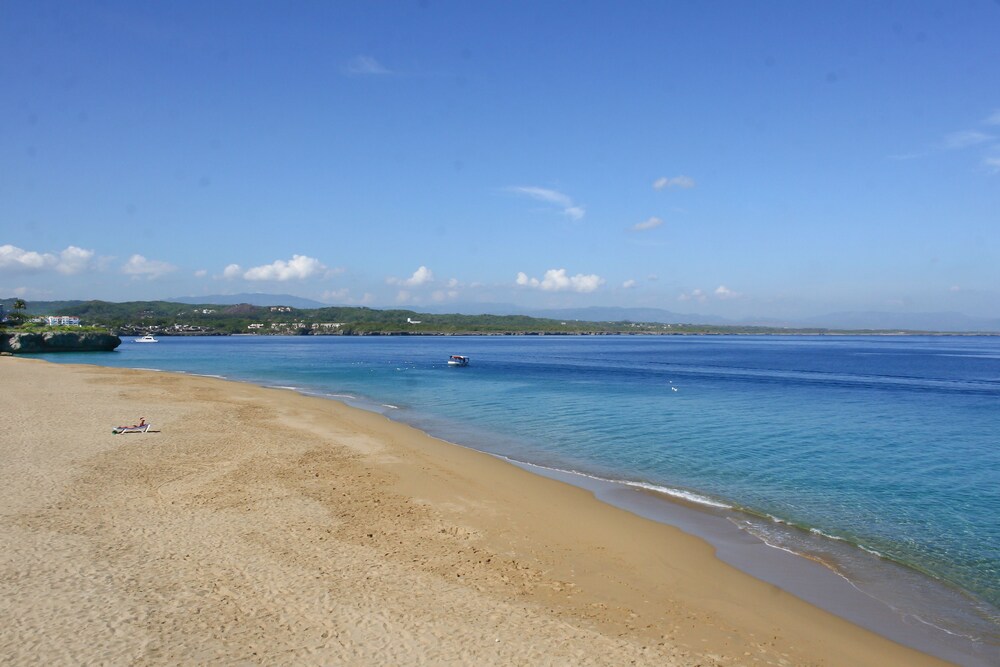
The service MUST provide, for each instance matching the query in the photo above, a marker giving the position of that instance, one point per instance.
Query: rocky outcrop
(58, 341)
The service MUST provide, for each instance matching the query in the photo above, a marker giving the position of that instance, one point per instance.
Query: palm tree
(18, 316)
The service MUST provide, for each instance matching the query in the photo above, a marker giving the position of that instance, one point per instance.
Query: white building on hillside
(62, 320)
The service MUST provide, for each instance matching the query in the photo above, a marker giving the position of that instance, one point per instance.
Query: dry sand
(258, 526)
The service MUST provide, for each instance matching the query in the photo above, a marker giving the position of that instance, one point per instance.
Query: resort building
(62, 320)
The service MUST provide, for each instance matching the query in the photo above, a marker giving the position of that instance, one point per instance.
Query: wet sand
(261, 526)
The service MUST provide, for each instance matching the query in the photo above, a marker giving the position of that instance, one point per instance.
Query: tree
(17, 317)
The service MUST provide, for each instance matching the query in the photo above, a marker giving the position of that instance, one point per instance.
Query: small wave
(209, 375)
(391, 407)
(769, 540)
(871, 551)
(759, 531)
(774, 541)
(975, 638)
(281, 386)
(817, 531)
(678, 493)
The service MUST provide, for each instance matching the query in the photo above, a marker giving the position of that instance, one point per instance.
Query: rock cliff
(58, 341)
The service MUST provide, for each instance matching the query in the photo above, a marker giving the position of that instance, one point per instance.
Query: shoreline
(887, 596)
(811, 577)
(817, 573)
(501, 536)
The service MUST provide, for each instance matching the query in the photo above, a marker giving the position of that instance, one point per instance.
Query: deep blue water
(888, 443)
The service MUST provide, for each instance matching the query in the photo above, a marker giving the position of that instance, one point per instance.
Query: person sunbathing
(141, 426)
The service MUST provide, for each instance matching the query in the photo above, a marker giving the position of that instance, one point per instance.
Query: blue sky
(772, 159)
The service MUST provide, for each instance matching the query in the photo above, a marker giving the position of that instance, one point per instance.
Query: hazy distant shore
(264, 316)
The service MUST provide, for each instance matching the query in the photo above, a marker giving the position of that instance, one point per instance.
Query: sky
(739, 159)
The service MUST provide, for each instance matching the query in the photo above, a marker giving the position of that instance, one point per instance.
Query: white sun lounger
(131, 429)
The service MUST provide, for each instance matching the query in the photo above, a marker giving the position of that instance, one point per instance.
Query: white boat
(148, 338)
(458, 360)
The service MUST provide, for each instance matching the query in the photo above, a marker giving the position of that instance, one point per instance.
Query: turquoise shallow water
(891, 444)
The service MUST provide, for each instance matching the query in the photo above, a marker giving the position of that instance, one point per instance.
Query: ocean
(878, 456)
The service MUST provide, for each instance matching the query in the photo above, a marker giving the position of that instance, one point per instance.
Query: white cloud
(365, 65)
(693, 295)
(299, 267)
(721, 292)
(724, 292)
(443, 295)
(14, 258)
(26, 293)
(421, 276)
(966, 139)
(140, 267)
(232, 271)
(335, 295)
(74, 260)
(543, 194)
(70, 261)
(200, 273)
(666, 182)
(651, 223)
(556, 280)
(629, 284)
(961, 140)
(565, 202)
(343, 295)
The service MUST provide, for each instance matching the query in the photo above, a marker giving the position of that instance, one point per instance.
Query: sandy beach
(259, 526)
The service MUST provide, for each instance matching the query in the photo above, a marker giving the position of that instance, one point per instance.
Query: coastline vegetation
(169, 318)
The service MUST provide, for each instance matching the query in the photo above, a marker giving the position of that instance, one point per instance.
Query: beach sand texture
(259, 526)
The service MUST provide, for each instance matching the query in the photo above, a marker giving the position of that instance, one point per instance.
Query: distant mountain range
(589, 314)
(255, 299)
(873, 320)
(908, 321)
(619, 314)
